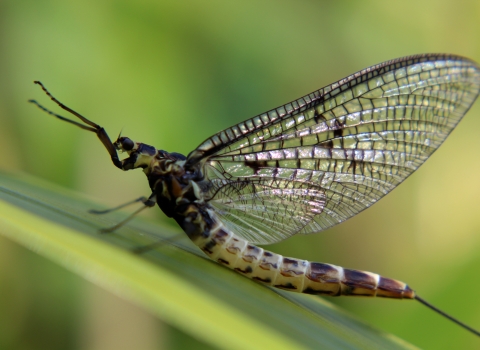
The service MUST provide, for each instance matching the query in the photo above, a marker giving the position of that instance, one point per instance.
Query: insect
(304, 167)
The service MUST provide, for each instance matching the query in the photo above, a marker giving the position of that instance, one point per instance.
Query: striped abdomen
(296, 275)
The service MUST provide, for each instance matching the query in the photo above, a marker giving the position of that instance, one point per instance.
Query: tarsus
(91, 126)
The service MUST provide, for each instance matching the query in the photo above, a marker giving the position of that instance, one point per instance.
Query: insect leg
(91, 126)
(166, 241)
(148, 203)
(142, 199)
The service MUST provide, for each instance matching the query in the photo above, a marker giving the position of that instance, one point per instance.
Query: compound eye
(127, 144)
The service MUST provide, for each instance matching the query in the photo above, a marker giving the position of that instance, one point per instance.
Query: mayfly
(304, 167)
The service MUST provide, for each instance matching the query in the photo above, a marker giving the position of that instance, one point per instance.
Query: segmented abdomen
(296, 275)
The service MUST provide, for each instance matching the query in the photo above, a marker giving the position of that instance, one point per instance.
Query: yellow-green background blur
(173, 73)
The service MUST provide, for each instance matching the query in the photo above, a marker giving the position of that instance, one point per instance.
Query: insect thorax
(174, 187)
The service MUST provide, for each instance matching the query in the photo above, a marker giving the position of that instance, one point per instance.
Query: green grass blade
(174, 281)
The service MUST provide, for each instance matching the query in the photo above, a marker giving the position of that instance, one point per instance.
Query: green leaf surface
(174, 280)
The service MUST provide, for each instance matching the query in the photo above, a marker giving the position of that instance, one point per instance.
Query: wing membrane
(319, 160)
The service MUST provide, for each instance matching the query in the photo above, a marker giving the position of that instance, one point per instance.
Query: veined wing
(319, 160)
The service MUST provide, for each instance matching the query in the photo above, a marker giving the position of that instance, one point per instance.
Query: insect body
(306, 166)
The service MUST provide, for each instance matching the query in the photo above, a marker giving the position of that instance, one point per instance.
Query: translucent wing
(319, 160)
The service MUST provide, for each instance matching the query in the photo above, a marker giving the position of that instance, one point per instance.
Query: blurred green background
(171, 74)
